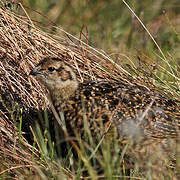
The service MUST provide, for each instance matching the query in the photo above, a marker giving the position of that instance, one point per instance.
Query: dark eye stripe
(42, 69)
(60, 69)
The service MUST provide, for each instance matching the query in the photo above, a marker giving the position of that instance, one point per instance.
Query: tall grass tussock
(32, 145)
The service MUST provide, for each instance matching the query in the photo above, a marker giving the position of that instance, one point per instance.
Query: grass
(48, 154)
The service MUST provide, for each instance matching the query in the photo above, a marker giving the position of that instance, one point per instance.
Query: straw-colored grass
(22, 45)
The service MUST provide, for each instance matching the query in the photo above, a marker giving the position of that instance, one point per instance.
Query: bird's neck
(62, 92)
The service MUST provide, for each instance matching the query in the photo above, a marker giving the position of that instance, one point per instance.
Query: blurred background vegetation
(109, 25)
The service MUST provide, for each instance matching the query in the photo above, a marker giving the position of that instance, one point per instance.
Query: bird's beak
(34, 72)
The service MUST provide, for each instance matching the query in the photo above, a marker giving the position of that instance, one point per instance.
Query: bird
(132, 110)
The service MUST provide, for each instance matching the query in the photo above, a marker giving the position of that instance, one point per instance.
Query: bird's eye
(51, 69)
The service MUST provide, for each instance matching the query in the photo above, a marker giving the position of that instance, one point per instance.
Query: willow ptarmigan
(132, 110)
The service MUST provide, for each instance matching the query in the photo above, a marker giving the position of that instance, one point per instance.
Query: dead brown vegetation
(22, 45)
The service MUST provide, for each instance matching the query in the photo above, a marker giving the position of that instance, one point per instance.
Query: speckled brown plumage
(132, 110)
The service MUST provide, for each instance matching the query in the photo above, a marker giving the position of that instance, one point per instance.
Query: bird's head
(55, 74)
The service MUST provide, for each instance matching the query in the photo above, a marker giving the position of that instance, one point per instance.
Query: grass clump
(46, 153)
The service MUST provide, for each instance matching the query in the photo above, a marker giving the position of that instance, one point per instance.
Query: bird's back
(133, 110)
